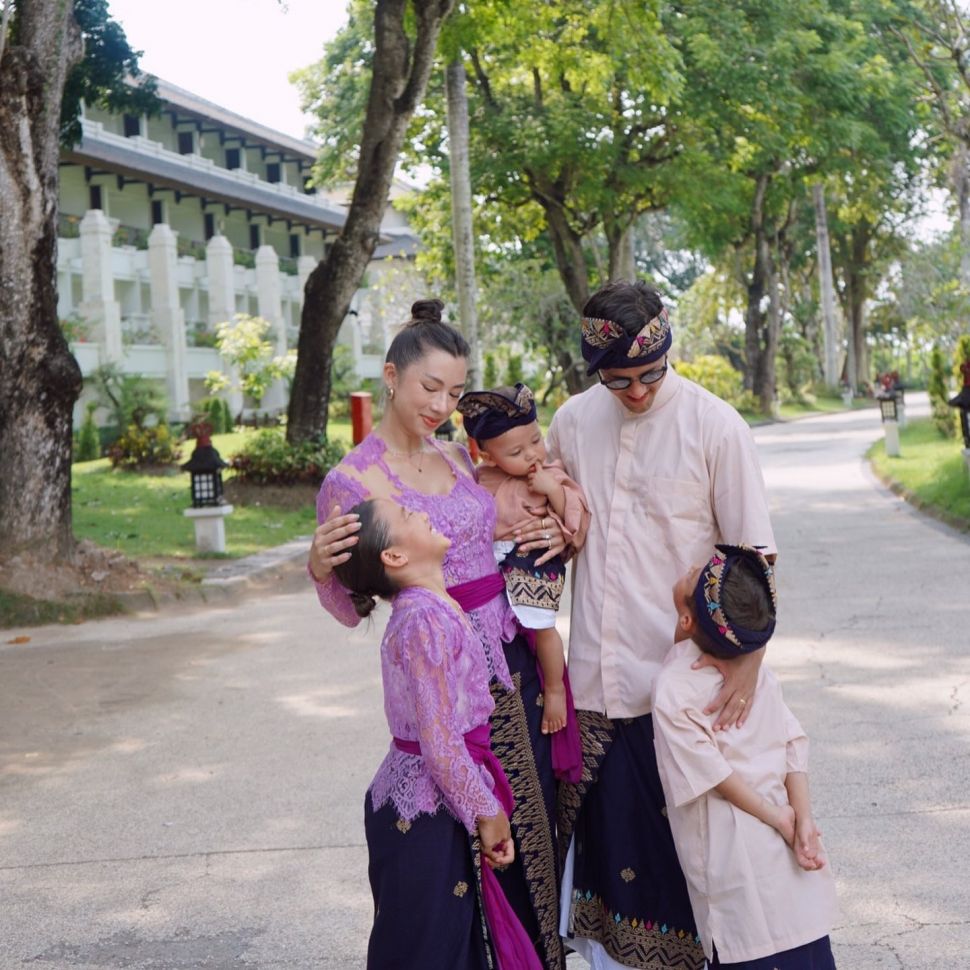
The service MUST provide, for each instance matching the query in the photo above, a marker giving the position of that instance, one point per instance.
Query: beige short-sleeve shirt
(662, 488)
(748, 894)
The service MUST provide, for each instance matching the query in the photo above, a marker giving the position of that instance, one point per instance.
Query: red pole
(361, 417)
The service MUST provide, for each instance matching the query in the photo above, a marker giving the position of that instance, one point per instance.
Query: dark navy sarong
(811, 956)
(422, 873)
(629, 893)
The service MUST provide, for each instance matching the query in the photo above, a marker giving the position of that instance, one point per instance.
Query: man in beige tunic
(669, 470)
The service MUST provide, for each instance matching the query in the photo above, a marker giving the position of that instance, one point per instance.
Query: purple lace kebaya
(435, 691)
(466, 515)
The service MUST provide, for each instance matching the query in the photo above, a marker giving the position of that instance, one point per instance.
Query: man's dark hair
(631, 305)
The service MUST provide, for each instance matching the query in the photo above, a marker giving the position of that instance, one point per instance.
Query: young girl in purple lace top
(439, 783)
(424, 376)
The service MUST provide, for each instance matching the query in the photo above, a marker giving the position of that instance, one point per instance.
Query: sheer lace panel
(435, 691)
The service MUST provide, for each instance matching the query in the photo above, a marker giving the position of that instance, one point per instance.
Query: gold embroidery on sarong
(627, 875)
(403, 826)
(637, 943)
(596, 734)
(530, 823)
(460, 888)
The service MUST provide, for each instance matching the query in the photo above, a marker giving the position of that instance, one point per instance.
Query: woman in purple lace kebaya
(437, 904)
(424, 375)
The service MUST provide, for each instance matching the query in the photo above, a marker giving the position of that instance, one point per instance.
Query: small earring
(390, 392)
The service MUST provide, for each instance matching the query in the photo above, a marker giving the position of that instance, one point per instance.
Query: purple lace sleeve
(337, 489)
(432, 677)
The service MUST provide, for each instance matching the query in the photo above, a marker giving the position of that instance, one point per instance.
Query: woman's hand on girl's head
(331, 542)
(495, 834)
(540, 533)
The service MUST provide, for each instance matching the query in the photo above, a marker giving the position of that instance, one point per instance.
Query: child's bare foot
(553, 708)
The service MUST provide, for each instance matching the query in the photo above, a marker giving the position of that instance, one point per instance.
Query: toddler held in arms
(527, 486)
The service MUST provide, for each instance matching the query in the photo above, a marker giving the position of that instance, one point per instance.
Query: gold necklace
(408, 456)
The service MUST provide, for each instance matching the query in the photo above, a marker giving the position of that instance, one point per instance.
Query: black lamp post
(889, 410)
(962, 401)
(205, 467)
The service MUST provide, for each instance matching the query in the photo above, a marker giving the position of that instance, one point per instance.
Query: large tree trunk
(620, 240)
(854, 250)
(960, 174)
(39, 378)
(567, 243)
(830, 368)
(461, 213)
(761, 322)
(400, 76)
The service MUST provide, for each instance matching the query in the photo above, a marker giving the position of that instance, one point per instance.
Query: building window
(272, 171)
(210, 225)
(132, 126)
(294, 245)
(94, 197)
(254, 237)
(232, 158)
(186, 143)
(158, 212)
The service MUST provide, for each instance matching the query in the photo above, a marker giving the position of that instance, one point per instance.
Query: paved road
(185, 791)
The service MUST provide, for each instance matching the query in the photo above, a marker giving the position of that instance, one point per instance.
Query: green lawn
(142, 514)
(930, 468)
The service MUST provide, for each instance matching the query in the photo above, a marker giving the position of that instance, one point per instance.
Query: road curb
(281, 566)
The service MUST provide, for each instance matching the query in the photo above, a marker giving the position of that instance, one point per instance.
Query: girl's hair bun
(364, 604)
(426, 311)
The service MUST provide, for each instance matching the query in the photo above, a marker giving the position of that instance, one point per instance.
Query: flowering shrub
(141, 447)
(716, 375)
(268, 459)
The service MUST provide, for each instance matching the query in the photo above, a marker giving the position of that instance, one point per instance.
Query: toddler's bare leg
(552, 660)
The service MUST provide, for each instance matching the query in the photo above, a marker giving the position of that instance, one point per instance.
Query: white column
(305, 265)
(269, 302)
(98, 304)
(222, 303)
(167, 315)
(222, 280)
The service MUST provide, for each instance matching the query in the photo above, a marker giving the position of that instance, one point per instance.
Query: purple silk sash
(513, 948)
(567, 752)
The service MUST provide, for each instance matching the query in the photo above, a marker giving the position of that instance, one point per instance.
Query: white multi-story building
(174, 223)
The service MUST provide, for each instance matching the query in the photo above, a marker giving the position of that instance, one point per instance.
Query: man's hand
(733, 701)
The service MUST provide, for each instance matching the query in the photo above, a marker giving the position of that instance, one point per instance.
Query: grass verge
(18, 610)
(141, 514)
(930, 472)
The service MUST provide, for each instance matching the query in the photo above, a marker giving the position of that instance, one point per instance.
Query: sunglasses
(622, 383)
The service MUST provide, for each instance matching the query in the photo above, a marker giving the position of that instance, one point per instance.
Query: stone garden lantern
(209, 509)
(962, 401)
(889, 411)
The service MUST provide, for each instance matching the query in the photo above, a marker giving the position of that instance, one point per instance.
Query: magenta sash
(477, 592)
(567, 751)
(513, 948)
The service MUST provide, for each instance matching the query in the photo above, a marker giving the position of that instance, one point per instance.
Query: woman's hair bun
(364, 604)
(426, 311)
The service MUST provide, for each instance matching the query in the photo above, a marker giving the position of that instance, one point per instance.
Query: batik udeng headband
(707, 599)
(607, 345)
(487, 414)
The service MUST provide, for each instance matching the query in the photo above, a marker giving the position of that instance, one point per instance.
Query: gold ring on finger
(742, 701)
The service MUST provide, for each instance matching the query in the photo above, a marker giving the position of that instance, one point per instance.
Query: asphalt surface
(185, 789)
